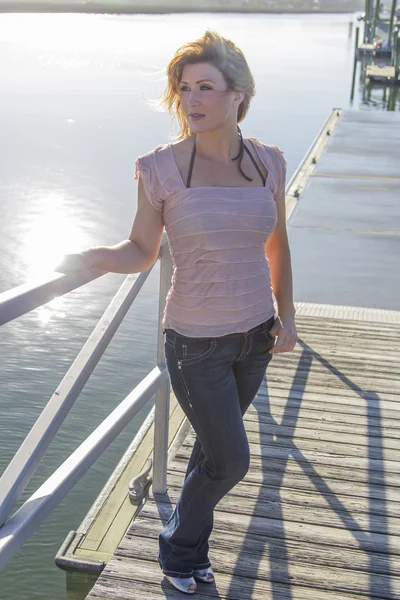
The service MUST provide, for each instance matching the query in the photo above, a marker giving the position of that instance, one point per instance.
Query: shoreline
(48, 6)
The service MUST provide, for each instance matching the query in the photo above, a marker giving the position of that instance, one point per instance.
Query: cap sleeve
(280, 171)
(274, 160)
(145, 169)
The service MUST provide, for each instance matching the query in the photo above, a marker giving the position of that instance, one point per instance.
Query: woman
(221, 199)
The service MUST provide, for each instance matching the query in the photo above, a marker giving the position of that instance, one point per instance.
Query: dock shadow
(369, 541)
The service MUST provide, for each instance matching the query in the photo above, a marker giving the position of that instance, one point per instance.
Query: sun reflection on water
(55, 229)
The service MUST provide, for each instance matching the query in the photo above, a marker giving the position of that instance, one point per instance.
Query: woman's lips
(196, 117)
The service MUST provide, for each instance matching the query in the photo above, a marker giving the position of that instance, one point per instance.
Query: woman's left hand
(285, 330)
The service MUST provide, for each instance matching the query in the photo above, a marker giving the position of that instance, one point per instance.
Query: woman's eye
(202, 87)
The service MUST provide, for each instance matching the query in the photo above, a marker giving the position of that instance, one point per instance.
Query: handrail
(27, 297)
(35, 510)
(22, 300)
(25, 462)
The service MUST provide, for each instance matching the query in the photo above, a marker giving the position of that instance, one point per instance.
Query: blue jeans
(214, 380)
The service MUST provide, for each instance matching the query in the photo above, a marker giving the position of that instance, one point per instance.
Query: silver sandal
(204, 575)
(182, 583)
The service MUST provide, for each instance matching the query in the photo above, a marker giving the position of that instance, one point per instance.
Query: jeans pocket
(269, 337)
(263, 341)
(190, 351)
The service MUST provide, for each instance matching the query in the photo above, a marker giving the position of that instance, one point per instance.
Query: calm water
(74, 114)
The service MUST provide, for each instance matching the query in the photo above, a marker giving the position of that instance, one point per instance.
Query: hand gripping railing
(25, 298)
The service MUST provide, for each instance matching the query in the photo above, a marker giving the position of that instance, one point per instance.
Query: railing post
(376, 17)
(367, 22)
(161, 417)
(356, 53)
(391, 25)
(396, 54)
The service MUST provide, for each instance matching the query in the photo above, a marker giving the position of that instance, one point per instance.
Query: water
(74, 115)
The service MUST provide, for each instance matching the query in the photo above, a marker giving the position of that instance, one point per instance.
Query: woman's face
(206, 99)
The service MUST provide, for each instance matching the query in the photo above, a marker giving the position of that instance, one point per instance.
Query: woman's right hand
(80, 261)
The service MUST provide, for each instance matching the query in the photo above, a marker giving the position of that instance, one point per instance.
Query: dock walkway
(317, 515)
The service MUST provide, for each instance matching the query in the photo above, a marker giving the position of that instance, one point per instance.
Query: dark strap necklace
(238, 157)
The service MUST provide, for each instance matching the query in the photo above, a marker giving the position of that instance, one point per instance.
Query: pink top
(221, 282)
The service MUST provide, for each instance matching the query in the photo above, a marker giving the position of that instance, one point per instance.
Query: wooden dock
(317, 515)
(386, 73)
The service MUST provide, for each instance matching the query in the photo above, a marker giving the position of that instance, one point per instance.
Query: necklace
(238, 157)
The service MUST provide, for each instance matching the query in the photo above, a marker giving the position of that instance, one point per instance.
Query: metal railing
(15, 530)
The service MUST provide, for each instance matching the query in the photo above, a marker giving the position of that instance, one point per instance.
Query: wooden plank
(143, 529)
(327, 398)
(339, 356)
(332, 421)
(330, 395)
(314, 415)
(325, 448)
(333, 514)
(377, 72)
(131, 579)
(340, 373)
(326, 385)
(308, 427)
(315, 459)
(324, 326)
(279, 434)
(278, 562)
(386, 489)
(346, 339)
(316, 467)
(300, 410)
(270, 496)
(343, 336)
(244, 524)
(341, 345)
(334, 367)
(341, 342)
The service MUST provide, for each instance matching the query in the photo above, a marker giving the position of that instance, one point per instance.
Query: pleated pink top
(221, 281)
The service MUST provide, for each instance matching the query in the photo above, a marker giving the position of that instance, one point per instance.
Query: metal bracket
(140, 484)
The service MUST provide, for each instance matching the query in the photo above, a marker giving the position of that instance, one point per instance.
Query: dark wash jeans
(214, 380)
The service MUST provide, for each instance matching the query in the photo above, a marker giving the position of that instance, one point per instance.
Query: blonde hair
(225, 56)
